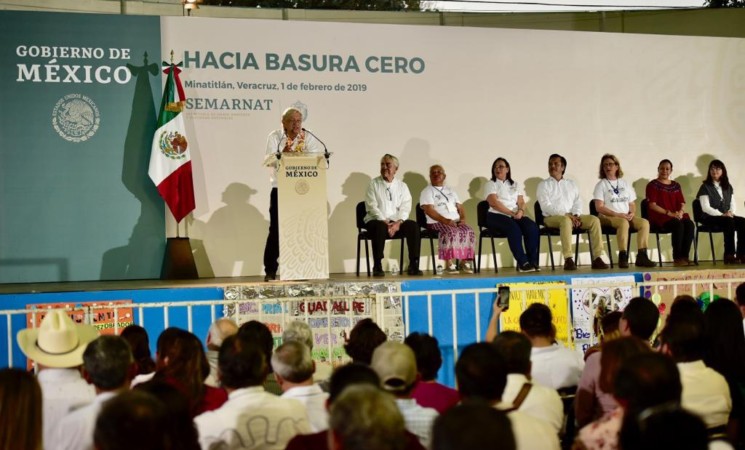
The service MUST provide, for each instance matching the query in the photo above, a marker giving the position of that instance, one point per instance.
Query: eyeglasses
(500, 167)
(609, 164)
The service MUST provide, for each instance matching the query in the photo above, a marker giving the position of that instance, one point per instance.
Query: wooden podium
(303, 218)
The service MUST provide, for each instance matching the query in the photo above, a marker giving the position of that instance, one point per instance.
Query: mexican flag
(170, 161)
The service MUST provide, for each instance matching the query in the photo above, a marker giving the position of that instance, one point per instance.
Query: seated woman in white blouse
(445, 214)
(718, 205)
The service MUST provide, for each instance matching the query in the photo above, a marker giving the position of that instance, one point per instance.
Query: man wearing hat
(395, 364)
(57, 346)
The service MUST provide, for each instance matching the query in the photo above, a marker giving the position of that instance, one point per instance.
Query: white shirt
(75, 430)
(252, 419)
(314, 400)
(418, 419)
(276, 142)
(555, 366)
(506, 193)
(61, 391)
(558, 198)
(443, 199)
(706, 205)
(531, 433)
(705, 393)
(387, 201)
(143, 378)
(618, 202)
(211, 379)
(542, 403)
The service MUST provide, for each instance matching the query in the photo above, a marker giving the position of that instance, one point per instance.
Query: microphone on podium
(326, 153)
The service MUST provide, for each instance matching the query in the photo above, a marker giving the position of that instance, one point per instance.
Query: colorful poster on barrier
(599, 299)
(524, 294)
(697, 284)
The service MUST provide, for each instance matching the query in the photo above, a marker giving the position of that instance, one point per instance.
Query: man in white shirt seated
(554, 365)
(57, 346)
(705, 392)
(395, 364)
(109, 366)
(526, 396)
(562, 207)
(251, 418)
(293, 368)
(481, 373)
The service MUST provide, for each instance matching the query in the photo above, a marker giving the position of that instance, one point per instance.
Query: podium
(303, 219)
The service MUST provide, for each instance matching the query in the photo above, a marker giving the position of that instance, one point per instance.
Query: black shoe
(270, 276)
(377, 272)
(569, 264)
(414, 271)
(599, 264)
(642, 260)
(623, 260)
(526, 267)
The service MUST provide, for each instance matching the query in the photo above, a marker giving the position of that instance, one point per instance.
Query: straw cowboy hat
(57, 342)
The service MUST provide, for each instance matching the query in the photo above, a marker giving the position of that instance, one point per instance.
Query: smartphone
(503, 298)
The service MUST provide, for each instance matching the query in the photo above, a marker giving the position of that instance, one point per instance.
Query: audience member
(20, 410)
(481, 373)
(602, 434)
(182, 363)
(57, 346)
(365, 336)
(181, 430)
(639, 319)
(669, 426)
(219, 330)
(293, 369)
(132, 420)
(388, 205)
(251, 418)
(473, 426)
(343, 377)
(605, 327)
(300, 331)
(427, 391)
(527, 397)
(109, 366)
(705, 392)
(261, 336)
(395, 364)
(365, 418)
(165, 340)
(137, 338)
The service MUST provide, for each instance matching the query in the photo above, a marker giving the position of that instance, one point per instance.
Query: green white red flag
(170, 160)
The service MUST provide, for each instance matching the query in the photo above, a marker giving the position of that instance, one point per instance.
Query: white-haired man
(219, 331)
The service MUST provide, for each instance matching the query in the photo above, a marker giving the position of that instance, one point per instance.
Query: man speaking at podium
(292, 138)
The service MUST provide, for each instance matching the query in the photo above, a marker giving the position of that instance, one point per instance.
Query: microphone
(326, 153)
(279, 145)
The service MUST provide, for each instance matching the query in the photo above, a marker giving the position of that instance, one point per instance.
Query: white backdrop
(482, 93)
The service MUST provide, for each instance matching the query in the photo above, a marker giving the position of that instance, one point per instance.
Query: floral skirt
(455, 242)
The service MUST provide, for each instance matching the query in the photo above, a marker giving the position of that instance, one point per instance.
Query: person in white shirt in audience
(705, 391)
(57, 346)
(293, 369)
(219, 330)
(395, 364)
(109, 366)
(300, 331)
(528, 397)
(251, 418)
(481, 373)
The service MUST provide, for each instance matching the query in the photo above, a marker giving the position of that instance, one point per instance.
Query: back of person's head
(535, 321)
(365, 418)
(181, 429)
(20, 410)
(165, 340)
(137, 338)
(181, 358)
(641, 317)
(241, 362)
(740, 294)
(130, 420)
(395, 364)
(351, 374)
(615, 353)
(609, 324)
(108, 362)
(427, 352)
(685, 307)
(261, 335)
(647, 380)
(724, 339)
(473, 425)
(219, 330)
(292, 361)
(683, 337)
(481, 372)
(515, 349)
(664, 426)
(300, 331)
(365, 336)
